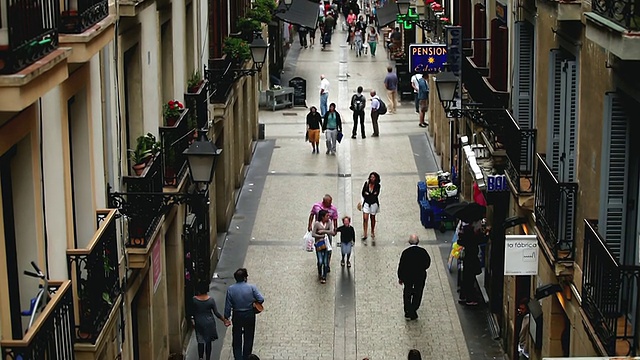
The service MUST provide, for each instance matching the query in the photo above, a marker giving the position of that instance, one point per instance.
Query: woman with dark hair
(314, 123)
(370, 204)
(203, 310)
(414, 354)
(321, 228)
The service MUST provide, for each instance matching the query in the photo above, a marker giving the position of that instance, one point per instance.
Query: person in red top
(325, 204)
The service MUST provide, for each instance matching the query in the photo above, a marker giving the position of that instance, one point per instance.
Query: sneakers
(342, 263)
(327, 152)
(348, 263)
(353, 137)
(422, 125)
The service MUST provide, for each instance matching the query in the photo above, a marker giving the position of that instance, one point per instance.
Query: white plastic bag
(326, 239)
(307, 241)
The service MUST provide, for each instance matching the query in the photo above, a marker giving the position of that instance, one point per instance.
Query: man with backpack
(378, 108)
(423, 98)
(358, 102)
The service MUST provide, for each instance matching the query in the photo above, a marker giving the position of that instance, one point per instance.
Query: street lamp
(287, 3)
(403, 7)
(201, 156)
(446, 84)
(259, 49)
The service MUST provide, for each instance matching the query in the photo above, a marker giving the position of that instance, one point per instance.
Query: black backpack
(358, 102)
(382, 109)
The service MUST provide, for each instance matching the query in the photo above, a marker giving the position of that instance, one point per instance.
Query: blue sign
(454, 47)
(497, 183)
(427, 57)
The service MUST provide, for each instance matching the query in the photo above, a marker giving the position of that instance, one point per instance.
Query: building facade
(563, 71)
(85, 132)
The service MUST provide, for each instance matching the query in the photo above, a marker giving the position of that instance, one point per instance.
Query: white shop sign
(521, 255)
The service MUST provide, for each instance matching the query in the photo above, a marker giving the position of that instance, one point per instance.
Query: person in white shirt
(324, 95)
(375, 105)
(414, 85)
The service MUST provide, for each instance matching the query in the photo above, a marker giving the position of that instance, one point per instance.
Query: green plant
(194, 81)
(146, 146)
(248, 25)
(236, 49)
(269, 6)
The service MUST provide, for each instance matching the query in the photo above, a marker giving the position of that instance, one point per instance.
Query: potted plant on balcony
(247, 27)
(262, 10)
(195, 82)
(236, 49)
(171, 112)
(146, 148)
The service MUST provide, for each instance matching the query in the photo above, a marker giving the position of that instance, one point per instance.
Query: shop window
(522, 93)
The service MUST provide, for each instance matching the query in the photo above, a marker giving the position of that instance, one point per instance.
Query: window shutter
(569, 135)
(614, 173)
(522, 93)
(554, 103)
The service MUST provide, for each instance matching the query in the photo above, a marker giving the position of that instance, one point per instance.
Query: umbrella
(467, 212)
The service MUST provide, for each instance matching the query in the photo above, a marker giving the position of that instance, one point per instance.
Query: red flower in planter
(171, 111)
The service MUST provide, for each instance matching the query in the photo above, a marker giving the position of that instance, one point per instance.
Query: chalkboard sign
(299, 86)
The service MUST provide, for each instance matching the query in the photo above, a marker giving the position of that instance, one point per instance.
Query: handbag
(321, 245)
(339, 137)
(359, 206)
(257, 307)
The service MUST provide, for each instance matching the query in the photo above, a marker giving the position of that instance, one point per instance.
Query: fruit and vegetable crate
(441, 220)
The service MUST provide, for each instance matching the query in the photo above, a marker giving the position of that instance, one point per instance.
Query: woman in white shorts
(370, 204)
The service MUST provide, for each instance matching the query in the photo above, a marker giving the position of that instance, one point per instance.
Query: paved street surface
(358, 313)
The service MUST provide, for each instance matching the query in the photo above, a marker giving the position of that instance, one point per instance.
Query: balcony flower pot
(195, 84)
(171, 111)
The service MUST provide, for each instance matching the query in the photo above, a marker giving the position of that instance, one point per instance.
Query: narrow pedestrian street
(358, 313)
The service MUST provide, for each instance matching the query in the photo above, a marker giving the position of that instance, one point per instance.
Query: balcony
(520, 145)
(221, 75)
(85, 27)
(555, 209)
(143, 212)
(609, 297)
(51, 335)
(196, 102)
(94, 272)
(175, 140)
(477, 85)
(615, 25)
(131, 8)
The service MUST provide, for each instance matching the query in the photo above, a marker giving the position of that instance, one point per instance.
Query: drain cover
(289, 114)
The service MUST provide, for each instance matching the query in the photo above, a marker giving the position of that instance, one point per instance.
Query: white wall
(178, 26)
(97, 135)
(202, 40)
(150, 55)
(54, 192)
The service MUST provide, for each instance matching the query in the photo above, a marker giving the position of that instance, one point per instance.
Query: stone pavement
(358, 313)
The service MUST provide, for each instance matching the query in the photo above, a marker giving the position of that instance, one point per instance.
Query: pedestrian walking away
(391, 84)
(321, 230)
(324, 94)
(332, 126)
(302, 35)
(414, 354)
(239, 306)
(347, 239)
(358, 103)
(312, 36)
(375, 112)
(327, 205)
(412, 273)
(203, 308)
(423, 98)
(470, 237)
(314, 123)
(370, 204)
(414, 85)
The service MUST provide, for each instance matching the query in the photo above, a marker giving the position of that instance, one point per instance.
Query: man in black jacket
(412, 273)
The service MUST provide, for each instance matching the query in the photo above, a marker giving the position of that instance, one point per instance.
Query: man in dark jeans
(240, 299)
(412, 273)
(302, 34)
(358, 102)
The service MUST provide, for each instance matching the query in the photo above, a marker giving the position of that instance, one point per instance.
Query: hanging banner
(427, 57)
(453, 36)
(521, 255)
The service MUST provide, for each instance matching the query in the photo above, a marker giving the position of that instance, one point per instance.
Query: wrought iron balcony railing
(95, 275)
(143, 212)
(175, 140)
(555, 209)
(610, 295)
(31, 29)
(623, 12)
(79, 15)
(220, 77)
(520, 145)
(197, 102)
(479, 88)
(51, 335)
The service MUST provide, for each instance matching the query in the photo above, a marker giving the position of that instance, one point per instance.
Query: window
(498, 55)
(563, 115)
(522, 94)
(479, 32)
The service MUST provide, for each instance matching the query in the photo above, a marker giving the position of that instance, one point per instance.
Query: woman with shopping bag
(320, 230)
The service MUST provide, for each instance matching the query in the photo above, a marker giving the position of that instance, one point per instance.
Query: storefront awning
(387, 14)
(301, 12)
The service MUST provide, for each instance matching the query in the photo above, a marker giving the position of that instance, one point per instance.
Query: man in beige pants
(391, 84)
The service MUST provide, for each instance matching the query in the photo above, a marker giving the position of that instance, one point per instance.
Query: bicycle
(39, 302)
